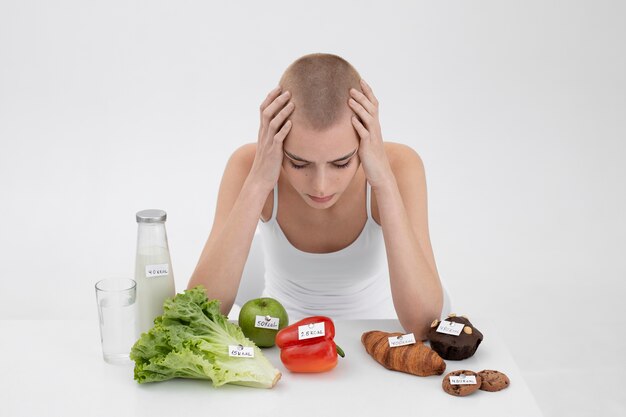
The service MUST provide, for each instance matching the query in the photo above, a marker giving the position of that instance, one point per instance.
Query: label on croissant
(239, 351)
(463, 380)
(450, 327)
(266, 322)
(311, 330)
(405, 339)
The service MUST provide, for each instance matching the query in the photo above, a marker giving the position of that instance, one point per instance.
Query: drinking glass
(117, 310)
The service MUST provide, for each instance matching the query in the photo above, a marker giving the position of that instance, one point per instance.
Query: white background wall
(518, 110)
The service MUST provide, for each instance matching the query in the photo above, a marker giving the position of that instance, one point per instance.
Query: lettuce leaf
(191, 340)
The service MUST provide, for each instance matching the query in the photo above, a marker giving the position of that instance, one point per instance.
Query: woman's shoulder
(244, 155)
(402, 158)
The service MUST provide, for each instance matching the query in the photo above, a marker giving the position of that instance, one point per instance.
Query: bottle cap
(151, 216)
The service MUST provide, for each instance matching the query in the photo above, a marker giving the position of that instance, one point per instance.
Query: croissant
(417, 359)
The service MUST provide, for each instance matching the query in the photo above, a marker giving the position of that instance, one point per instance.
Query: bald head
(320, 88)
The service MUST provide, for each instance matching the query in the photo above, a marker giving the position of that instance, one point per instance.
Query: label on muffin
(405, 339)
(450, 327)
(463, 380)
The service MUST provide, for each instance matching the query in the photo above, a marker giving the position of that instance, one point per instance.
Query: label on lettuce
(311, 330)
(463, 380)
(405, 339)
(239, 351)
(153, 271)
(450, 327)
(266, 322)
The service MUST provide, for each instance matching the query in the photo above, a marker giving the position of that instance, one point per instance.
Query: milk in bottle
(153, 268)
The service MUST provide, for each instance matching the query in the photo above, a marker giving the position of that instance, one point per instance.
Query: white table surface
(55, 368)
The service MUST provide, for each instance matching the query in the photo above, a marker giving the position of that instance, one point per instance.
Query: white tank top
(351, 283)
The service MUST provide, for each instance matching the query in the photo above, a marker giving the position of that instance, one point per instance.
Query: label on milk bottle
(153, 271)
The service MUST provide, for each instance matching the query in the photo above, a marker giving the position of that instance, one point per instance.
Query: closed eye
(298, 166)
(345, 165)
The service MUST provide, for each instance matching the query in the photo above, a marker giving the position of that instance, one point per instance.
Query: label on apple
(450, 327)
(311, 330)
(463, 380)
(266, 322)
(405, 339)
(239, 351)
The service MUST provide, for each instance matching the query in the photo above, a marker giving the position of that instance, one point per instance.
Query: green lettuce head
(191, 340)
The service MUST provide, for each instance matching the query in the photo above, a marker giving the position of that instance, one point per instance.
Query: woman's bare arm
(239, 205)
(402, 206)
(249, 177)
(400, 190)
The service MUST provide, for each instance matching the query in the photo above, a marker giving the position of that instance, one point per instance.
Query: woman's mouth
(321, 199)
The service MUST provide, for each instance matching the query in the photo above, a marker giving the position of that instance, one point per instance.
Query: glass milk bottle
(153, 268)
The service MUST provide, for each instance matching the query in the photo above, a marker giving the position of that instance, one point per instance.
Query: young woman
(343, 215)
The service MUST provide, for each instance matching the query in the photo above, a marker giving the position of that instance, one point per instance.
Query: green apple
(261, 318)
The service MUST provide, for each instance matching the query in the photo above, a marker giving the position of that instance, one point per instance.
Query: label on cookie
(405, 339)
(450, 327)
(463, 379)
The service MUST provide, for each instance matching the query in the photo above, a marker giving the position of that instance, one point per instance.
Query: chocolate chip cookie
(493, 380)
(460, 390)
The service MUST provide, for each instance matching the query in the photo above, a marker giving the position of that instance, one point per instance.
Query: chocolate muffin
(455, 347)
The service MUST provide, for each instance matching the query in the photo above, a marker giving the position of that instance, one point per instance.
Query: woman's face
(321, 165)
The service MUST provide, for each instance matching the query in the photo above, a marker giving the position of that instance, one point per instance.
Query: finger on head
(283, 114)
(285, 95)
(276, 92)
(368, 93)
(278, 103)
(283, 132)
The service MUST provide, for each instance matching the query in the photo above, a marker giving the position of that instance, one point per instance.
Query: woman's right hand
(272, 132)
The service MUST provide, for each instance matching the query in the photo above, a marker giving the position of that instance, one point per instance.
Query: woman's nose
(320, 182)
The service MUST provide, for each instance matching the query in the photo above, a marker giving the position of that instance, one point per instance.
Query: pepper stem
(340, 351)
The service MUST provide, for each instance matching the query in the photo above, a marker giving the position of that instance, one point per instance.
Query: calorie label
(239, 351)
(153, 271)
(463, 380)
(311, 330)
(266, 322)
(405, 339)
(450, 327)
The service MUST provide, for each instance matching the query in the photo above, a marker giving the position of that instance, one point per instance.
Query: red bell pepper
(308, 345)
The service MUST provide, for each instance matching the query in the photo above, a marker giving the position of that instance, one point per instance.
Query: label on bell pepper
(239, 351)
(405, 339)
(450, 327)
(463, 380)
(266, 322)
(311, 330)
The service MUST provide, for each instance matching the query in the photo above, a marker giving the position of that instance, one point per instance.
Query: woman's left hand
(371, 148)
